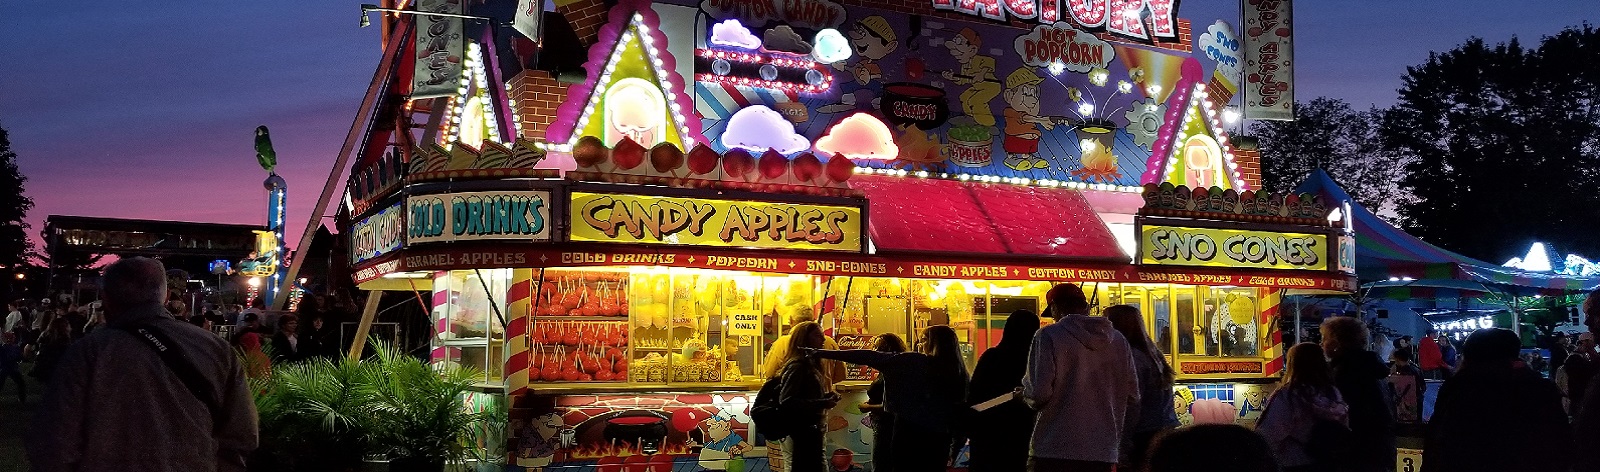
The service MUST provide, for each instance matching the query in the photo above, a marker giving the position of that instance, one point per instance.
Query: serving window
(662, 326)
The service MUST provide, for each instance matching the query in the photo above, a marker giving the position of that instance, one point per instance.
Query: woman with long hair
(999, 435)
(926, 391)
(52, 345)
(806, 398)
(1306, 396)
(1361, 379)
(1156, 410)
(882, 421)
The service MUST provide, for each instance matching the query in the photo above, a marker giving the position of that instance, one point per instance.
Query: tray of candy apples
(587, 294)
(569, 351)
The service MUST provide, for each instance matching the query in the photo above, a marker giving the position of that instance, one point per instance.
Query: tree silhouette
(1502, 145)
(15, 248)
(1327, 133)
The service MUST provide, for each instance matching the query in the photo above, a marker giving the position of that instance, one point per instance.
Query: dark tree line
(1488, 148)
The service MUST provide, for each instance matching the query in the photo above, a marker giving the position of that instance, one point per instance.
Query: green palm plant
(317, 415)
(422, 420)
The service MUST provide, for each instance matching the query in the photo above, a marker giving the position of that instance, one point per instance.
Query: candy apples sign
(802, 14)
(647, 219)
(1060, 43)
(1144, 20)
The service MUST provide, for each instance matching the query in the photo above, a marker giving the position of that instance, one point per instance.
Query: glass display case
(468, 327)
(650, 325)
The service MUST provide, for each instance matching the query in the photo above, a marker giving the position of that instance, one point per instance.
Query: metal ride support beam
(381, 81)
(367, 315)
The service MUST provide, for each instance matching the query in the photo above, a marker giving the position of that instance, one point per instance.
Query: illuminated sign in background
(378, 234)
(1083, 99)
(708, 222)
(1205, 247)
(474, 216)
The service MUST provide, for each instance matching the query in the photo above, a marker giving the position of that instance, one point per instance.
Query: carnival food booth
(618, 254)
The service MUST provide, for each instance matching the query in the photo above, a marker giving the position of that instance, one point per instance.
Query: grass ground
(13, 420)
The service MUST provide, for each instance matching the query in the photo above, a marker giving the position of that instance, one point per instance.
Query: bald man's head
(133, 282)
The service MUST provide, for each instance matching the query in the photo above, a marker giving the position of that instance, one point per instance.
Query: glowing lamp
(859, 136)
(732, 34)
(757, 128)
(829, 46)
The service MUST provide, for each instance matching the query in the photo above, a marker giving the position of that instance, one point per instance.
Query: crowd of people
(37, 332)
(1093, 393)
(1083, 393)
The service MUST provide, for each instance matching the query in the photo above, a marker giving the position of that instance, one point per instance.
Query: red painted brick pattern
(1250, 167)
(537, 95)
(586, 17)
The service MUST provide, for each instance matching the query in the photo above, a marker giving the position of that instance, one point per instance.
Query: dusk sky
(147, 109)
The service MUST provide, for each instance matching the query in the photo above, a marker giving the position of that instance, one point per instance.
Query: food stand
(618, 256)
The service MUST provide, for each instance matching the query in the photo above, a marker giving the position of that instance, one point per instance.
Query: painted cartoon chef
(721, 443)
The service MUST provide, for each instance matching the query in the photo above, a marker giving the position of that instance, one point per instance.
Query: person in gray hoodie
(1082, 380)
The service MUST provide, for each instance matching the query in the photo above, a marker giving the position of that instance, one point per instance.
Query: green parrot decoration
(264, 153)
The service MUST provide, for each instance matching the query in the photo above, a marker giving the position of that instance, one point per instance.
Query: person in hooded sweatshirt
(1156, 409)
(1082, 381)
(1000, 434)
(1360, 376)
(1496, 416)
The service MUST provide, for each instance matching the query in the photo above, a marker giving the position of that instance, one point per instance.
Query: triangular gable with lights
(472, 115)
(1192, 149)
(633, 89)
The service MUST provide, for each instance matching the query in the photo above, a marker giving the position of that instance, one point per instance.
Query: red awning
(923, 215)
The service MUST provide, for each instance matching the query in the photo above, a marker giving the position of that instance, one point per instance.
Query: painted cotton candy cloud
(859, 136)
(784, 39)
(757, 128)
(733, 34)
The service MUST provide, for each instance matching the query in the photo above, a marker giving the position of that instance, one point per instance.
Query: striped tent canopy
(1385, 253)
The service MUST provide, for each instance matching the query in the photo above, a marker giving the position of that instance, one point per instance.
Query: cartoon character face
(717, 428)
(634, 109)
(1024, 98)
(961, 49)
(868, 42)
(548, 425)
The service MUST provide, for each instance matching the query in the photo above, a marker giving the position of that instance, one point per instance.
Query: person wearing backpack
(791, 409)
(926, 391)
(1497, 416)
(1306, 417)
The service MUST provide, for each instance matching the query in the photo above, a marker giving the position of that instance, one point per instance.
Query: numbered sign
(1407, 460)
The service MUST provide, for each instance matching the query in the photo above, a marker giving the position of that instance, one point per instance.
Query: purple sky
(147, 109)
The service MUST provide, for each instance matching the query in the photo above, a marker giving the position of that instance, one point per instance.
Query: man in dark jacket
(1524, 431)
(116, 403)
(1360, 375)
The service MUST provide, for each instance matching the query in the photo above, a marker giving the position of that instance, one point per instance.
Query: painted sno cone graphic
(1150, 68)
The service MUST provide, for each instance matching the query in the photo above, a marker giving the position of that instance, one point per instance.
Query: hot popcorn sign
(1060, 43)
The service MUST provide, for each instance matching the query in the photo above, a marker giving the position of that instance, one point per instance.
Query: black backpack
(770, 419)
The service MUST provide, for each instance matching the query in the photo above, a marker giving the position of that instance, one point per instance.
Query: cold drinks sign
(472, 216)
(1169, 245)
